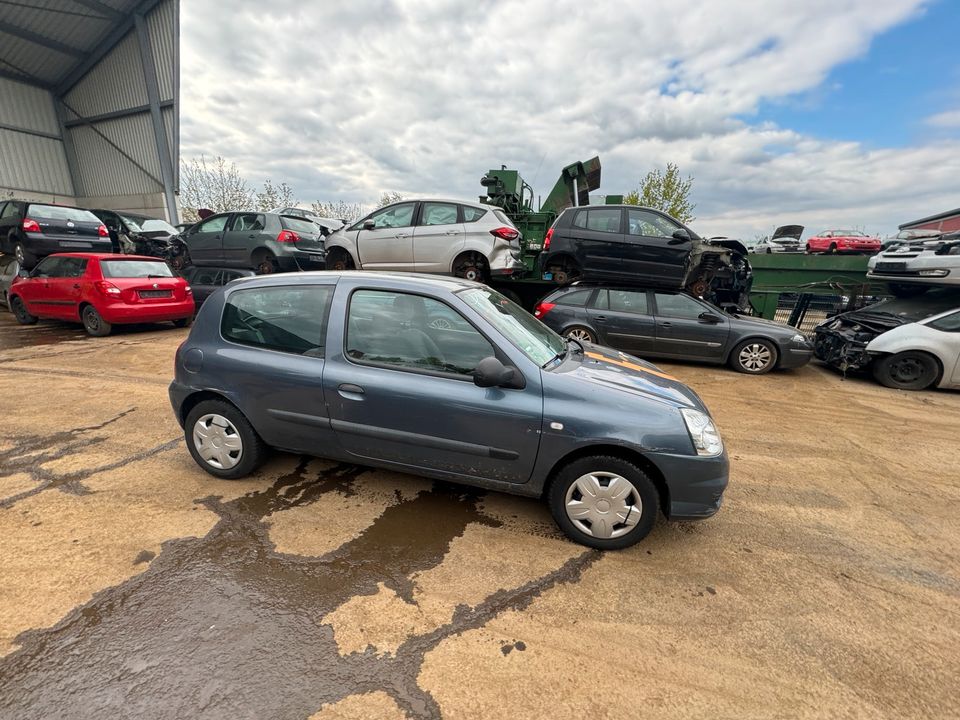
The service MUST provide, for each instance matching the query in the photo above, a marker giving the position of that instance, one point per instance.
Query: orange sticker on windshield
(631, 366)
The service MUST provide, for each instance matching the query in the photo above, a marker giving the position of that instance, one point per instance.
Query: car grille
(156, 293)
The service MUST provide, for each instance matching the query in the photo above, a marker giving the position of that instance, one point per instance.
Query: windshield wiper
(559, 356)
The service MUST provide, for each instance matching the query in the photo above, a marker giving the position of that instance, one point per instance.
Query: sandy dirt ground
(132, 584)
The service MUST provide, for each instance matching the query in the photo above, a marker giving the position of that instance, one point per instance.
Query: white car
(910, 268)
(919, 355)
(785, 238)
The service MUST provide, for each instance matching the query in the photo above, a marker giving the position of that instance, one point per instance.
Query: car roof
(471, 203)
(405, 280)
(105, 256)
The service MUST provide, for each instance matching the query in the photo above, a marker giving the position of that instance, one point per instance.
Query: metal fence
(805, 311)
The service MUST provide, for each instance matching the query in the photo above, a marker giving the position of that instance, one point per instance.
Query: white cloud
(948, 119)
(345, 101)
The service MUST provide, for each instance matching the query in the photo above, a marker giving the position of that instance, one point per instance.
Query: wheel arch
(765, 338)
(617, 451)
(194, 399)
(338, 245)
(877, 355)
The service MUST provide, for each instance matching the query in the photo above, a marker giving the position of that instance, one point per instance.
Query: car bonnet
(619, 371)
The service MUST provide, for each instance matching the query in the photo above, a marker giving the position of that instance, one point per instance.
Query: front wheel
(339, 260)
(93, 323)
(578, 332)
(604, 502)
(21, 313)
(266, 264)
(754, 357)
(26, 258)
(222, 440)
(910, 370)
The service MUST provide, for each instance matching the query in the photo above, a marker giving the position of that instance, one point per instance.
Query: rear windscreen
(298, 225)
(135, 268)
(56, 212)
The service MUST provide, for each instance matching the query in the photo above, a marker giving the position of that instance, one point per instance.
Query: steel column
(69, 150)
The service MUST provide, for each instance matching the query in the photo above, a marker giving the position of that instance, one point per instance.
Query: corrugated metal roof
(114, 84)
(162, 26)
(33, 163)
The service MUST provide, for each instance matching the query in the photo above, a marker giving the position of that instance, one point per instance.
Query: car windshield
(848, 233)
(923, 306)
(58, 212)
(144, 224)
(533, 338)
(134, 268)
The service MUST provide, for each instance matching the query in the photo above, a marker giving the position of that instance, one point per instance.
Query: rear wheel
(604, 502)
(833, 249)
(910, 370)
(222, 440)
(93, 323)
(26, 258)
(754, 357)
(266, 263)
(471, 266)
(578, 332)
(20, 312)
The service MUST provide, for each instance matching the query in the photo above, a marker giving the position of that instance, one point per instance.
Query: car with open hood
(908, 343)
(446, 379)
(135, 234)
(785, 238)
(633, 244)
(913, 267)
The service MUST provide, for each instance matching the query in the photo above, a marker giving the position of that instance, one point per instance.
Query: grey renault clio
(447, 379)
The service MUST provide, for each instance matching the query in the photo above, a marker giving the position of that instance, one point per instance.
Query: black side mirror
(369, 224)
(679, 236)
(490, 372)
(709, 317)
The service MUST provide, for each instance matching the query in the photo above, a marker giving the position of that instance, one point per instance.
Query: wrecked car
(907, 343)
(785, 238)
(632, 244)
(134, 234)
(912, 268)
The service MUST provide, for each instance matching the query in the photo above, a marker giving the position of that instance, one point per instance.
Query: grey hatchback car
(358, 367)
(265, 242)
(672, 324)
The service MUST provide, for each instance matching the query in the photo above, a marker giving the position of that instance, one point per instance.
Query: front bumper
(695, 484)
(792, 356)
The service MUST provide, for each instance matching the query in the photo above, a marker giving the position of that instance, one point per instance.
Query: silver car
(445, 237)
(911, 268)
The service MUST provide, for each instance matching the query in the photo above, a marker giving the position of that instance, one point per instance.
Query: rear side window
(472, 214)
(598, 219)
(577, 298)
(204, 276)
(135, 268)
(291, 319)
(629, 301)
(56, 212)
(248, 222)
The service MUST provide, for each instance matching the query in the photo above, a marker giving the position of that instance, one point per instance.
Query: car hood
(619, 371)
(768, 326)
(788, 231)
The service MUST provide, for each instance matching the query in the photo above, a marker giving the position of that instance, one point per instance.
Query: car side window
(598, 219)
(204, 276)
(48, 267)
(678, 306)
(644, 222)
(948, 323)
(8, 210)
(72, 267)
(291, 319)
(410, 332)
(394, 216)
(472, 214)
(631, 301)
(578, 298)
(247, 222)
(438, 214)
(214, 224)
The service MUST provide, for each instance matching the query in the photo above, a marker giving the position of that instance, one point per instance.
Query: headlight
(798, 338)
(705, 436)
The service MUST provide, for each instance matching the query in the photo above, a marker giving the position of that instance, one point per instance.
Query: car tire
(21, 313)
(907, 290)
(339, 260)
(471, 266)
(183, 322)
(832, 250)
(908, 370)
(597, 521)
(808, 250)
(579, 332)
(26, 258)
(93, 323)
(754, 357)
(239, 449)
(266, 264)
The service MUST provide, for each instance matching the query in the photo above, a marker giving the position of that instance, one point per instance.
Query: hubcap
(92, 320)
(755, 357)
(579, 334)
(217, 441)
(18, 253)
(603, 505)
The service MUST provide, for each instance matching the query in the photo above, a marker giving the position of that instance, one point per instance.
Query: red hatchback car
(848, 241)
(101, 290)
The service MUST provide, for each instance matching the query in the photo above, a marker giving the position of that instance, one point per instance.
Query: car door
(681, 332)
(204, 281)
(241, 237)
(654, 254)
(623, 320)
(948, 340)
(438, 237)
(35, 290)
(389, 244)
(597, 241)
(63, 288)
(400, 391)
(205, 240)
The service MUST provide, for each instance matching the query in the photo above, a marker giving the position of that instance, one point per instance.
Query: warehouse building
(948, 221)
(89, 112)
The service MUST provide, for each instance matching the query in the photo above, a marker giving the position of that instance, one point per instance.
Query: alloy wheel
(217, 441)
(18, 254)
(603, 505)
(755, 357)
(580, 334)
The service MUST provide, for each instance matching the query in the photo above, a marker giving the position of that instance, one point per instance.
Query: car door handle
(452, 232)
(252, 236)
(76, 286)
(402, 235)
(351, 391)
(666, 324)
(601, 318)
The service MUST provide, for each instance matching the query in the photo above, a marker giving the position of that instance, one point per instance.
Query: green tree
(665, 191)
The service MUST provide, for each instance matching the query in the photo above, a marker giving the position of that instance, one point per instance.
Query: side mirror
(709, 317)
(369, 224)
(679, 236)
(490, 372)
(23, 272)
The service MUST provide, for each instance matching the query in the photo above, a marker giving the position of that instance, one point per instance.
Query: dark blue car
(450, 380)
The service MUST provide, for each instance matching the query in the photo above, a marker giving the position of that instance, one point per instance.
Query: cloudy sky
(827, 113)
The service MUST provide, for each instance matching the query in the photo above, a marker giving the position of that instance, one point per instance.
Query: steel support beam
(105, 10)
(159, 131)
(138, 110)
(40, 40)
(31, 80)
(26, 131)
(73, 165)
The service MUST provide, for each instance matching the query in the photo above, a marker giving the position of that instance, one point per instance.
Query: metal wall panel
(27, 107)
(116, 83)
(103, 170)
(162, 26)
(31, 162)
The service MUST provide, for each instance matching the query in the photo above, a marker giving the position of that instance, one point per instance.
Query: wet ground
(132, 584)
